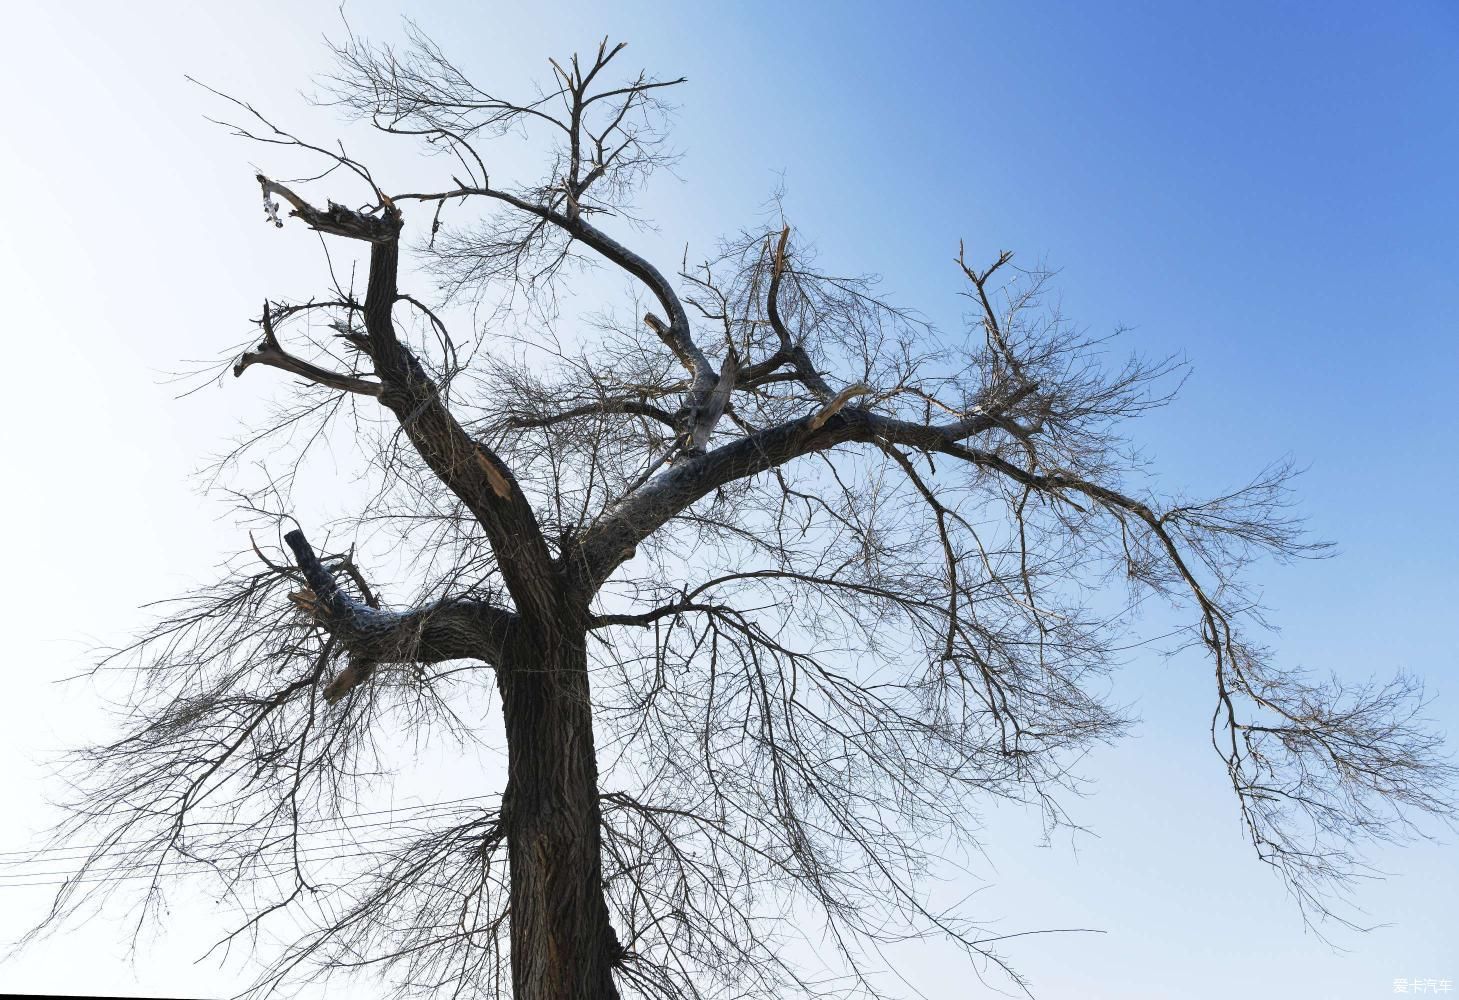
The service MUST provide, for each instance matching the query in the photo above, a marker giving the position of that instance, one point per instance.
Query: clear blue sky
(1267, 189)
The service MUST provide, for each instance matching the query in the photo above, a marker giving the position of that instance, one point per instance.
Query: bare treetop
(775, 583)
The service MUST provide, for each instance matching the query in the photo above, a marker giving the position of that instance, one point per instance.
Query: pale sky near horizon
(1266, 189)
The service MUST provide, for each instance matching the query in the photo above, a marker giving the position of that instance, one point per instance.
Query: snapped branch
(381, 227)
(446, 630)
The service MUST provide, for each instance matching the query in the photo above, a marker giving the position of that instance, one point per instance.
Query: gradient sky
(1270, 190)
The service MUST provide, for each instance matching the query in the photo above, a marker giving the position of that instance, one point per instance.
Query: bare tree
(773, 583)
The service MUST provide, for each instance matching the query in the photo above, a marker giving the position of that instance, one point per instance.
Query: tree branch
(447, 630)
(630, 407)
(617, 535)
(467, 467)
(270, 352)
(336, 219)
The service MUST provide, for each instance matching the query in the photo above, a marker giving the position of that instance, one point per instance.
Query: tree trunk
(562, 944)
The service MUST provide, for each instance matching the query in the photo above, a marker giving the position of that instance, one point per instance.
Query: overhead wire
(324, 824)
(21, 872)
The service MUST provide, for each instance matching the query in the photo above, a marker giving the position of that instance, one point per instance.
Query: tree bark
(562, 944)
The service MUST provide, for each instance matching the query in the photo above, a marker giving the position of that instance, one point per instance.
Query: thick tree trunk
(562, 944)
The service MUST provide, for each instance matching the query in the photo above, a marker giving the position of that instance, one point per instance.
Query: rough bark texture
(562, 945)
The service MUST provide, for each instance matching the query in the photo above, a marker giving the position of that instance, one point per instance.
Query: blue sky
(1265, 189)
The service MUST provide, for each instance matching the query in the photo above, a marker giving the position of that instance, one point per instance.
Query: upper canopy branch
(790, 349)
(614, 537)
(337, 220)
(709, 389)
(629, 407)
(270, 352)
(675, 333)
(469, 468)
